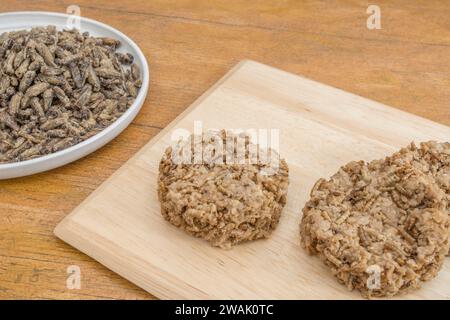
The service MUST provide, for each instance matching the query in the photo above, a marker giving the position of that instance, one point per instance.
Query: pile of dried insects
(58, 88)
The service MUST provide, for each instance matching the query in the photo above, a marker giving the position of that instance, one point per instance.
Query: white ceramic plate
(26, 20)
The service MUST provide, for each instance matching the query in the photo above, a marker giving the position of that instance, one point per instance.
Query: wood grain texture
(189, 45)
(320, 129)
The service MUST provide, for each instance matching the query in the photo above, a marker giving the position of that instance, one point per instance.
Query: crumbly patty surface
(223, 203)
(432, 158)
(383, 217)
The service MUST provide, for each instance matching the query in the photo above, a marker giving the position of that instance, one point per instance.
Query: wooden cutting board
(321, 128)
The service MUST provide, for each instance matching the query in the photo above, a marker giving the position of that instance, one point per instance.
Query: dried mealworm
(135, 72)
(46, 54)
(27, 80)
(14, 103)
(53, 123)
(84, 97)
(36, 105)
(47, 98)
(33, 91)
(4, 84)
(61, 95)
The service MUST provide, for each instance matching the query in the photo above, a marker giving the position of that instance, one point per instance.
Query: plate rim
(134, 108)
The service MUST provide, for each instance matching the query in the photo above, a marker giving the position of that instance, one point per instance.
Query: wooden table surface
(190, 45)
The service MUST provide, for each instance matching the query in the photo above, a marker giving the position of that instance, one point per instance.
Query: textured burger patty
(384, 216)
(224, 204)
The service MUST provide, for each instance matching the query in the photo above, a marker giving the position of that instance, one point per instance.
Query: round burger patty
(381, 226)
(220, 200)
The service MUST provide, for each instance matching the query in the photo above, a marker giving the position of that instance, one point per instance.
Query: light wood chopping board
(321, 128)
